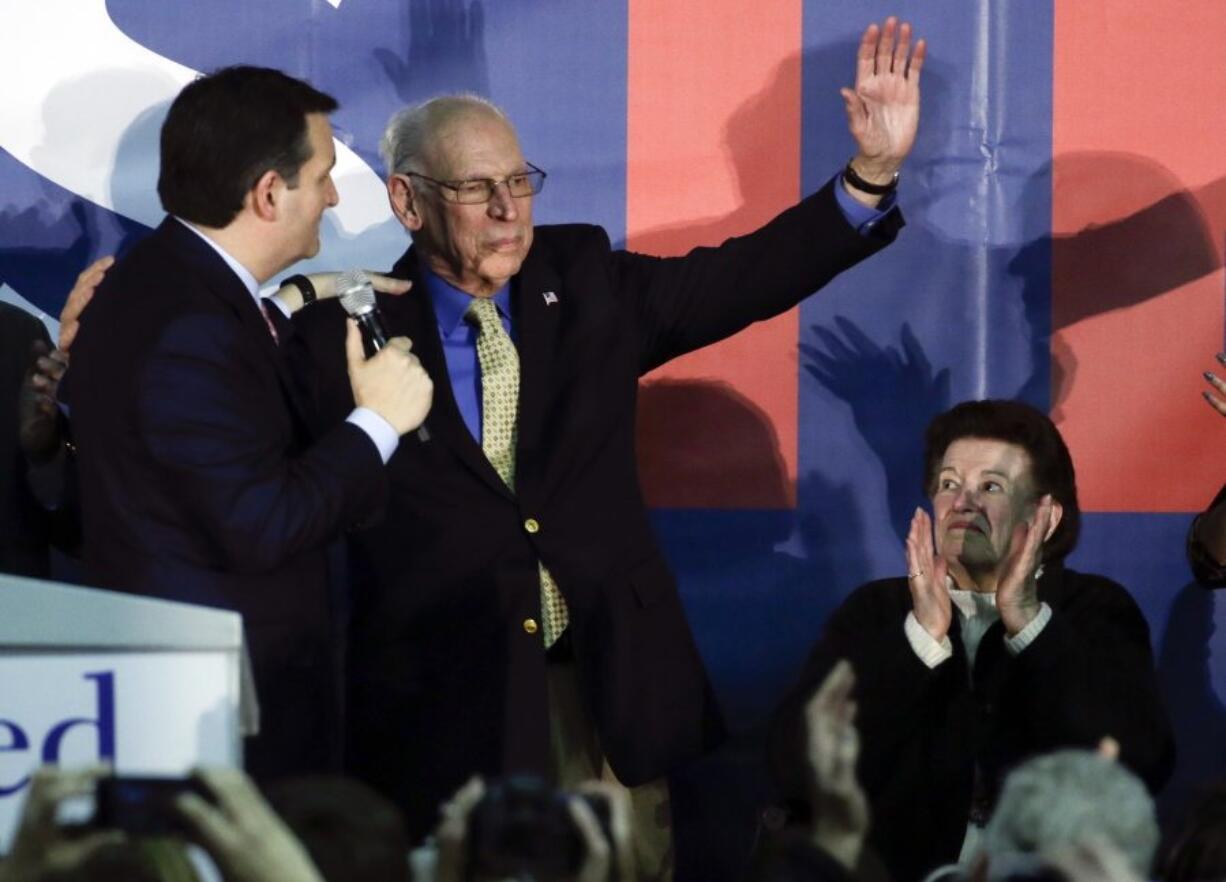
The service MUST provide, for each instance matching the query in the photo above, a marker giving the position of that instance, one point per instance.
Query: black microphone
(357, 296)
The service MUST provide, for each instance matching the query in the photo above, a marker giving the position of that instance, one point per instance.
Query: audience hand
(78, 298)
(926, 577)
(619, 828)
(452, 831)
(840, 808)
(1217, 402)
(392, 383)
(1092, 860)
(245, 838)
(38, 420)
(42, 845)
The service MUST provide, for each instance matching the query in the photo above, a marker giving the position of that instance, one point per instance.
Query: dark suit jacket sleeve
(256, 500)
(685, 303)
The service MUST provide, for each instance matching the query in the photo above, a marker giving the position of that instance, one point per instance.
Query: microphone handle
(372, 328)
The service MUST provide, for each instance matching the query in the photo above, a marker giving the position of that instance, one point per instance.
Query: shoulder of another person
(323, 316)
(566, 237)
(1062, 587)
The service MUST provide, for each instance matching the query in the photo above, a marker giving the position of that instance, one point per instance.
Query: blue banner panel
(959, 306)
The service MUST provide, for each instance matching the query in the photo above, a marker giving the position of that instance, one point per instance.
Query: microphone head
(355, 292)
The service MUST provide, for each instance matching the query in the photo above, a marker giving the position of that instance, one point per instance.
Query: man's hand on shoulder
(79, 297)
(392, 383)
(323, 287)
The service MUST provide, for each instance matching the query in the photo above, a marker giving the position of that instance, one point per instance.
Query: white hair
(1069, 797)
(406, 140)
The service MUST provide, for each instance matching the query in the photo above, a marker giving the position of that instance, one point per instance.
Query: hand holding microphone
(392, 382)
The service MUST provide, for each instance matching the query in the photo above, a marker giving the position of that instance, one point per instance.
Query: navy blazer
(198, 479)
(445, 678)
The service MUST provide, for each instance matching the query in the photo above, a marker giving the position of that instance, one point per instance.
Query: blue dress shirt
(460, 343)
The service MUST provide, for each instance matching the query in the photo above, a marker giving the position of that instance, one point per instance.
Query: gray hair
(1069, 797)
(407, 136)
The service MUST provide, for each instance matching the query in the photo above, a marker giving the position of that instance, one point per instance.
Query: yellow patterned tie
(499, 403)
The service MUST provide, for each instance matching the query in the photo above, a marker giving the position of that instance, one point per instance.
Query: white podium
(151, 686)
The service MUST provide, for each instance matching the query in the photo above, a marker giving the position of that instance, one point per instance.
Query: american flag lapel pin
(550, 298)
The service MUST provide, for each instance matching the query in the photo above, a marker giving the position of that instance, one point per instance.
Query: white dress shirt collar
(244, 275)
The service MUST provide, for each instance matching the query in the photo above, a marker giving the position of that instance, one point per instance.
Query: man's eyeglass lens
(528, 183)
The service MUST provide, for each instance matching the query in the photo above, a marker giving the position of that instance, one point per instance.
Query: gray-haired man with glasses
(513, 611)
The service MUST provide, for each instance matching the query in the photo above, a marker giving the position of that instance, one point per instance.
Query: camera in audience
(523, 829)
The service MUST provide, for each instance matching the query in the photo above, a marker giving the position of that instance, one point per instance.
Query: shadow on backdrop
(893, 393)
(443, 50)
(1070, 277)
(754, 610)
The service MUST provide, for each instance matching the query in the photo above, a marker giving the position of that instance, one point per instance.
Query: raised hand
(1017, 590)
(883, 107)
(42, 845)
(1218, 401)
(926, 576)
(840, 807)
(452, 832)
(246, 838)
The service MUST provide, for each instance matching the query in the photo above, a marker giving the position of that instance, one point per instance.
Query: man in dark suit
(198, 480)
(462, 656)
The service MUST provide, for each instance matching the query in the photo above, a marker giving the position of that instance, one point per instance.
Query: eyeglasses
(478, 190)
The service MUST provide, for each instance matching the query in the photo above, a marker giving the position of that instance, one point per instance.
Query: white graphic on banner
(98, 81)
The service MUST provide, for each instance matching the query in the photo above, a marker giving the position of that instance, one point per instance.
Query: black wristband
(303, 284)
(849, 175)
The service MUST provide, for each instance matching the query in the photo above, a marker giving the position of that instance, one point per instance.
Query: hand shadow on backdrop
(1103, 267)
(893, 393)
(444, 50)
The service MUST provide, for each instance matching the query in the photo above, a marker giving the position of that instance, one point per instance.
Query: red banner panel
(713, 151)
(1138, 220)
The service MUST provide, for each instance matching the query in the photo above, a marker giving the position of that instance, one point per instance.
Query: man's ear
(265, 196)
(404, 202)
